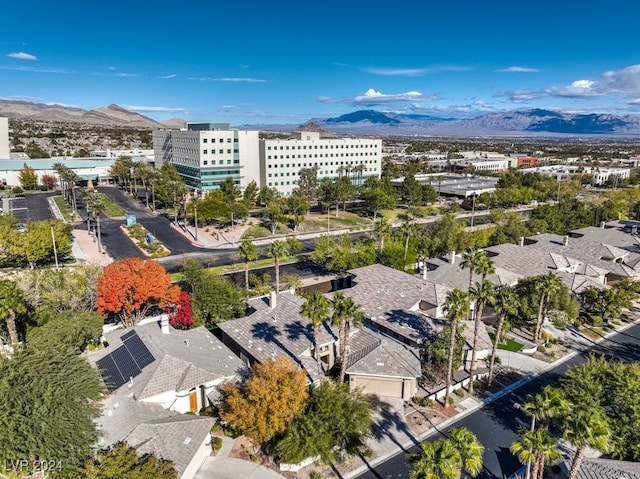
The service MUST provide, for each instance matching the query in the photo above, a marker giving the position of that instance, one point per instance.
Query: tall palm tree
(316, 309)
(383, 229)
(485, 266)
(546, 405)
(278, 250)
(546, 285)
(436, 460)
(455, 307)
(585, 429)
(538, 448)
(482, 293)
(470, 449)
(407, 230)
(345, 312)
(12, 302)
(247, 252)
(96, 204)
(504, 304)
(470, 260)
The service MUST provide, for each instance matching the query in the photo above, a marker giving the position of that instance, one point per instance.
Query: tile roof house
(598, 468)
(185, 365)
(276, 327)
(180, 368)
(617, 263)
(526, 261)
(398, 304)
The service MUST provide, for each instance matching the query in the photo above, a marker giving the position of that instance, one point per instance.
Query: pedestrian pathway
(221, 466)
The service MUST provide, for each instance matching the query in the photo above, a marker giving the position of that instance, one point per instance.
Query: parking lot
(32, 207)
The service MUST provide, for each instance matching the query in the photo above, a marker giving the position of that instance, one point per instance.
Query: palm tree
(345, 311)
(470, 260)
(485, 266)
(455, 307)
(470, 450)
(504, 304)
(482, 293)
(406, 229)
(96, 204)
(537, 448)
(316, 309)
(383, 229)
(12, 302)
(546, 405)
(585, 429)
(546, 285)
(247, 252)
(436, 460)
(278, 250)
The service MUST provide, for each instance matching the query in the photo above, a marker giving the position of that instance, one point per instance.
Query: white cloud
(373, 97)
(155, 109)
(407, 72)
(229, 79)
(227, 107)
(22, 56)
(243, 66)
(327, 100)
(32, 69)
(517, 69)
(127, 75)
(169, 77)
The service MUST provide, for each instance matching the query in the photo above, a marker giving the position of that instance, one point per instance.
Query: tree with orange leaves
(131, 286)
(267, 401)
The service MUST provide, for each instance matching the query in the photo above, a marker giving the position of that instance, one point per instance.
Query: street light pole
(473, 209)
(55, 250)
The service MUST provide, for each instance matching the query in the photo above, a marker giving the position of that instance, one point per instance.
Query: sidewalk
(85, 249)
(221, 466)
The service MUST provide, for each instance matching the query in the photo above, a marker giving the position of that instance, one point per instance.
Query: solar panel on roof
(125, 362)
(110, 373)
(127, 335)
(139, 352)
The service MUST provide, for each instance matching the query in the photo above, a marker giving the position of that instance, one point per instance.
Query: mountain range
(534, 122)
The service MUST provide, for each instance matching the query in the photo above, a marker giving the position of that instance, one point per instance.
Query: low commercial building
(599, 175)
(96, 169)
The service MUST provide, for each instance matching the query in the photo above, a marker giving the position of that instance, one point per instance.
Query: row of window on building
(326, 147)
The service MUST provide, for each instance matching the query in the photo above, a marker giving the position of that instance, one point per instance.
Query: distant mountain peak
(372, 116)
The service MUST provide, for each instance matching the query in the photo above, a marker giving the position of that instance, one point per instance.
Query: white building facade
(205, 154)
(4, 139)
(282, 160)
(599, 175)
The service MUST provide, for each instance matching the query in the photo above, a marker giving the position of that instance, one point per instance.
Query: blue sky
(280, 61)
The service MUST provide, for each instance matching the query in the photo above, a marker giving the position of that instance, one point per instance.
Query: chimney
(565, 241)
(164, 324)
(452, 257)
(273, 299)
(521, 241)
(602, 224)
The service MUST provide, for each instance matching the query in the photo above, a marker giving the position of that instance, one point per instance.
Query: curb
(494, 397)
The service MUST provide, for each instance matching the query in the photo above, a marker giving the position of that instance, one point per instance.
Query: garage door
(381, 387)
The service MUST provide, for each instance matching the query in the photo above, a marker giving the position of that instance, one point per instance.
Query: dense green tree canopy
(48, 401)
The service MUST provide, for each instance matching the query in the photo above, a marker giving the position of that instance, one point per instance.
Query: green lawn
(256, 232)
(63, 207)
(508, 345)
(111, 209)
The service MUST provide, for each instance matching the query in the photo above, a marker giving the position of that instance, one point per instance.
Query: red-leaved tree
(131, 286)
(180, 316)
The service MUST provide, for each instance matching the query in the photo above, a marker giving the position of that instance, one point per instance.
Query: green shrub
(210, 411)
(451, 400)
(216, 443)
(17, 189)
(316, 475)
(423, 401)
(459, 392)
(542, 349)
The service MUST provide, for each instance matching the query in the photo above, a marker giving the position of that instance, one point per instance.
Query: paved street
(496, 424)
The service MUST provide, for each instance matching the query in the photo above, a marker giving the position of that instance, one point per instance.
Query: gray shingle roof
(597, 468)
(388, 359)
(484, 341)
(534, 261)
(174, 438)
(441, 271)
(277, 329)
(183, 359)
(416, 327)
(380, 289)
(618, 237)
(601, 255)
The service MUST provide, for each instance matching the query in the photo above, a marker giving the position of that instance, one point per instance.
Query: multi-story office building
(205, 154)
(281, 160)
